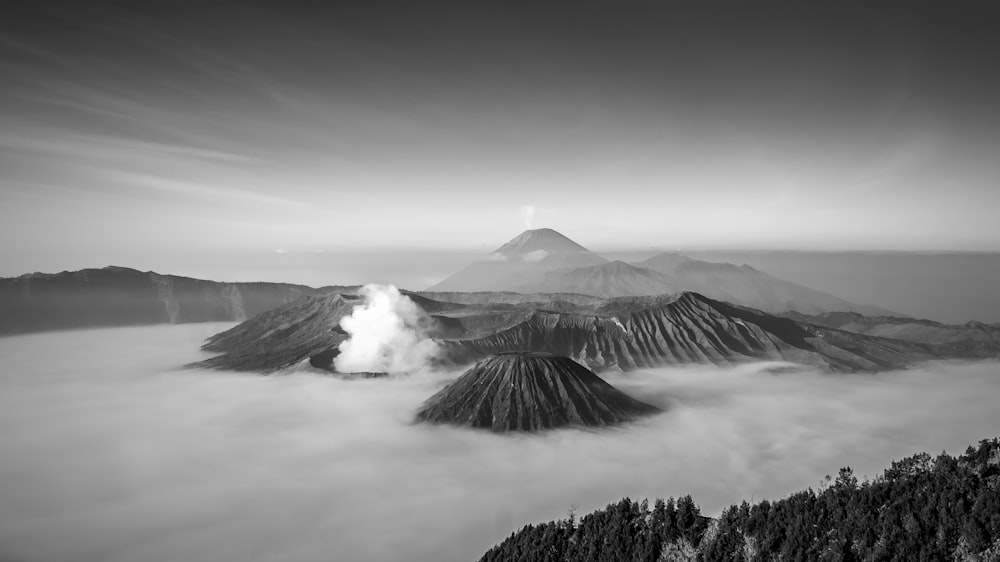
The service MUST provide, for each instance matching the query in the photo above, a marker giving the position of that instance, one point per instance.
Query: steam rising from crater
(387, 334)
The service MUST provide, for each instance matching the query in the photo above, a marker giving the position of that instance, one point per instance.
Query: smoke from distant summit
(386, 334)
(527, 213)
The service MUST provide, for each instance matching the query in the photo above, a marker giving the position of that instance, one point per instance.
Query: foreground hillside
(920, 508)
(119, 296)
(623, 333)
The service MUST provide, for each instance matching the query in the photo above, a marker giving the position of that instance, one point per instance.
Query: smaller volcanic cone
(523, 391)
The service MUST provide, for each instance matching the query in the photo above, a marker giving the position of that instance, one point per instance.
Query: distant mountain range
(623, 333)
(545, 261)
(536, 262)
(119, 296)
(284, 324)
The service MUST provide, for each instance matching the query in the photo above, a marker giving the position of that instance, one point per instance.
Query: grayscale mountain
(545, 261)
(526, 258)
(970, 340)
(611, 279)
(119, 296)
(521, 391)
(623, 333)
(670, 273)
(630, 333)
(539, 240)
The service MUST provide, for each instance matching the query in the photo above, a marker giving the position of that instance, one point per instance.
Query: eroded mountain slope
(523, 391)
(623, 333)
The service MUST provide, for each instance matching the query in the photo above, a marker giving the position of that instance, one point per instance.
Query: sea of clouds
(109, 451)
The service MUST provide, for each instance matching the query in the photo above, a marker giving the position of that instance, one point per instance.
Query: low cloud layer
(107, 452)
(386, 334)
(537, 255)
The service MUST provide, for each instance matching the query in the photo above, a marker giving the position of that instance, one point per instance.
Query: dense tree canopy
(920, 508)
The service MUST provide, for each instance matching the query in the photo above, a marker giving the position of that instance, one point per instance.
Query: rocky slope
(118, 296)
(530, 392)
(971, 340)
(637, 332)
(624, 333)
(284, 336)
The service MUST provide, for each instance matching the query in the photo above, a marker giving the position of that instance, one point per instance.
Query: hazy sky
(140, 128)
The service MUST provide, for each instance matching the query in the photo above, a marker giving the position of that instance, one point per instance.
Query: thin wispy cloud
(201, 190)
(106, 148)
(618, 119)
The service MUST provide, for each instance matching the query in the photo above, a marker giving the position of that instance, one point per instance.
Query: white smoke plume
(387, 334)
(527, 213)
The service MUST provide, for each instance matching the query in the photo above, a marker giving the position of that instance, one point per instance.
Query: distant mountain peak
(666, 262)
(617, 265)
(525, 259)
(539, 240)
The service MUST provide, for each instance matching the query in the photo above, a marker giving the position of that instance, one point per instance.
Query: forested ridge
(940, 508)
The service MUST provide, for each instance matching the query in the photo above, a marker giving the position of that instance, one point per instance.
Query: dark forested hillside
(920, 508)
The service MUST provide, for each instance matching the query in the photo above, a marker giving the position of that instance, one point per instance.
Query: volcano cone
(522, 391)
